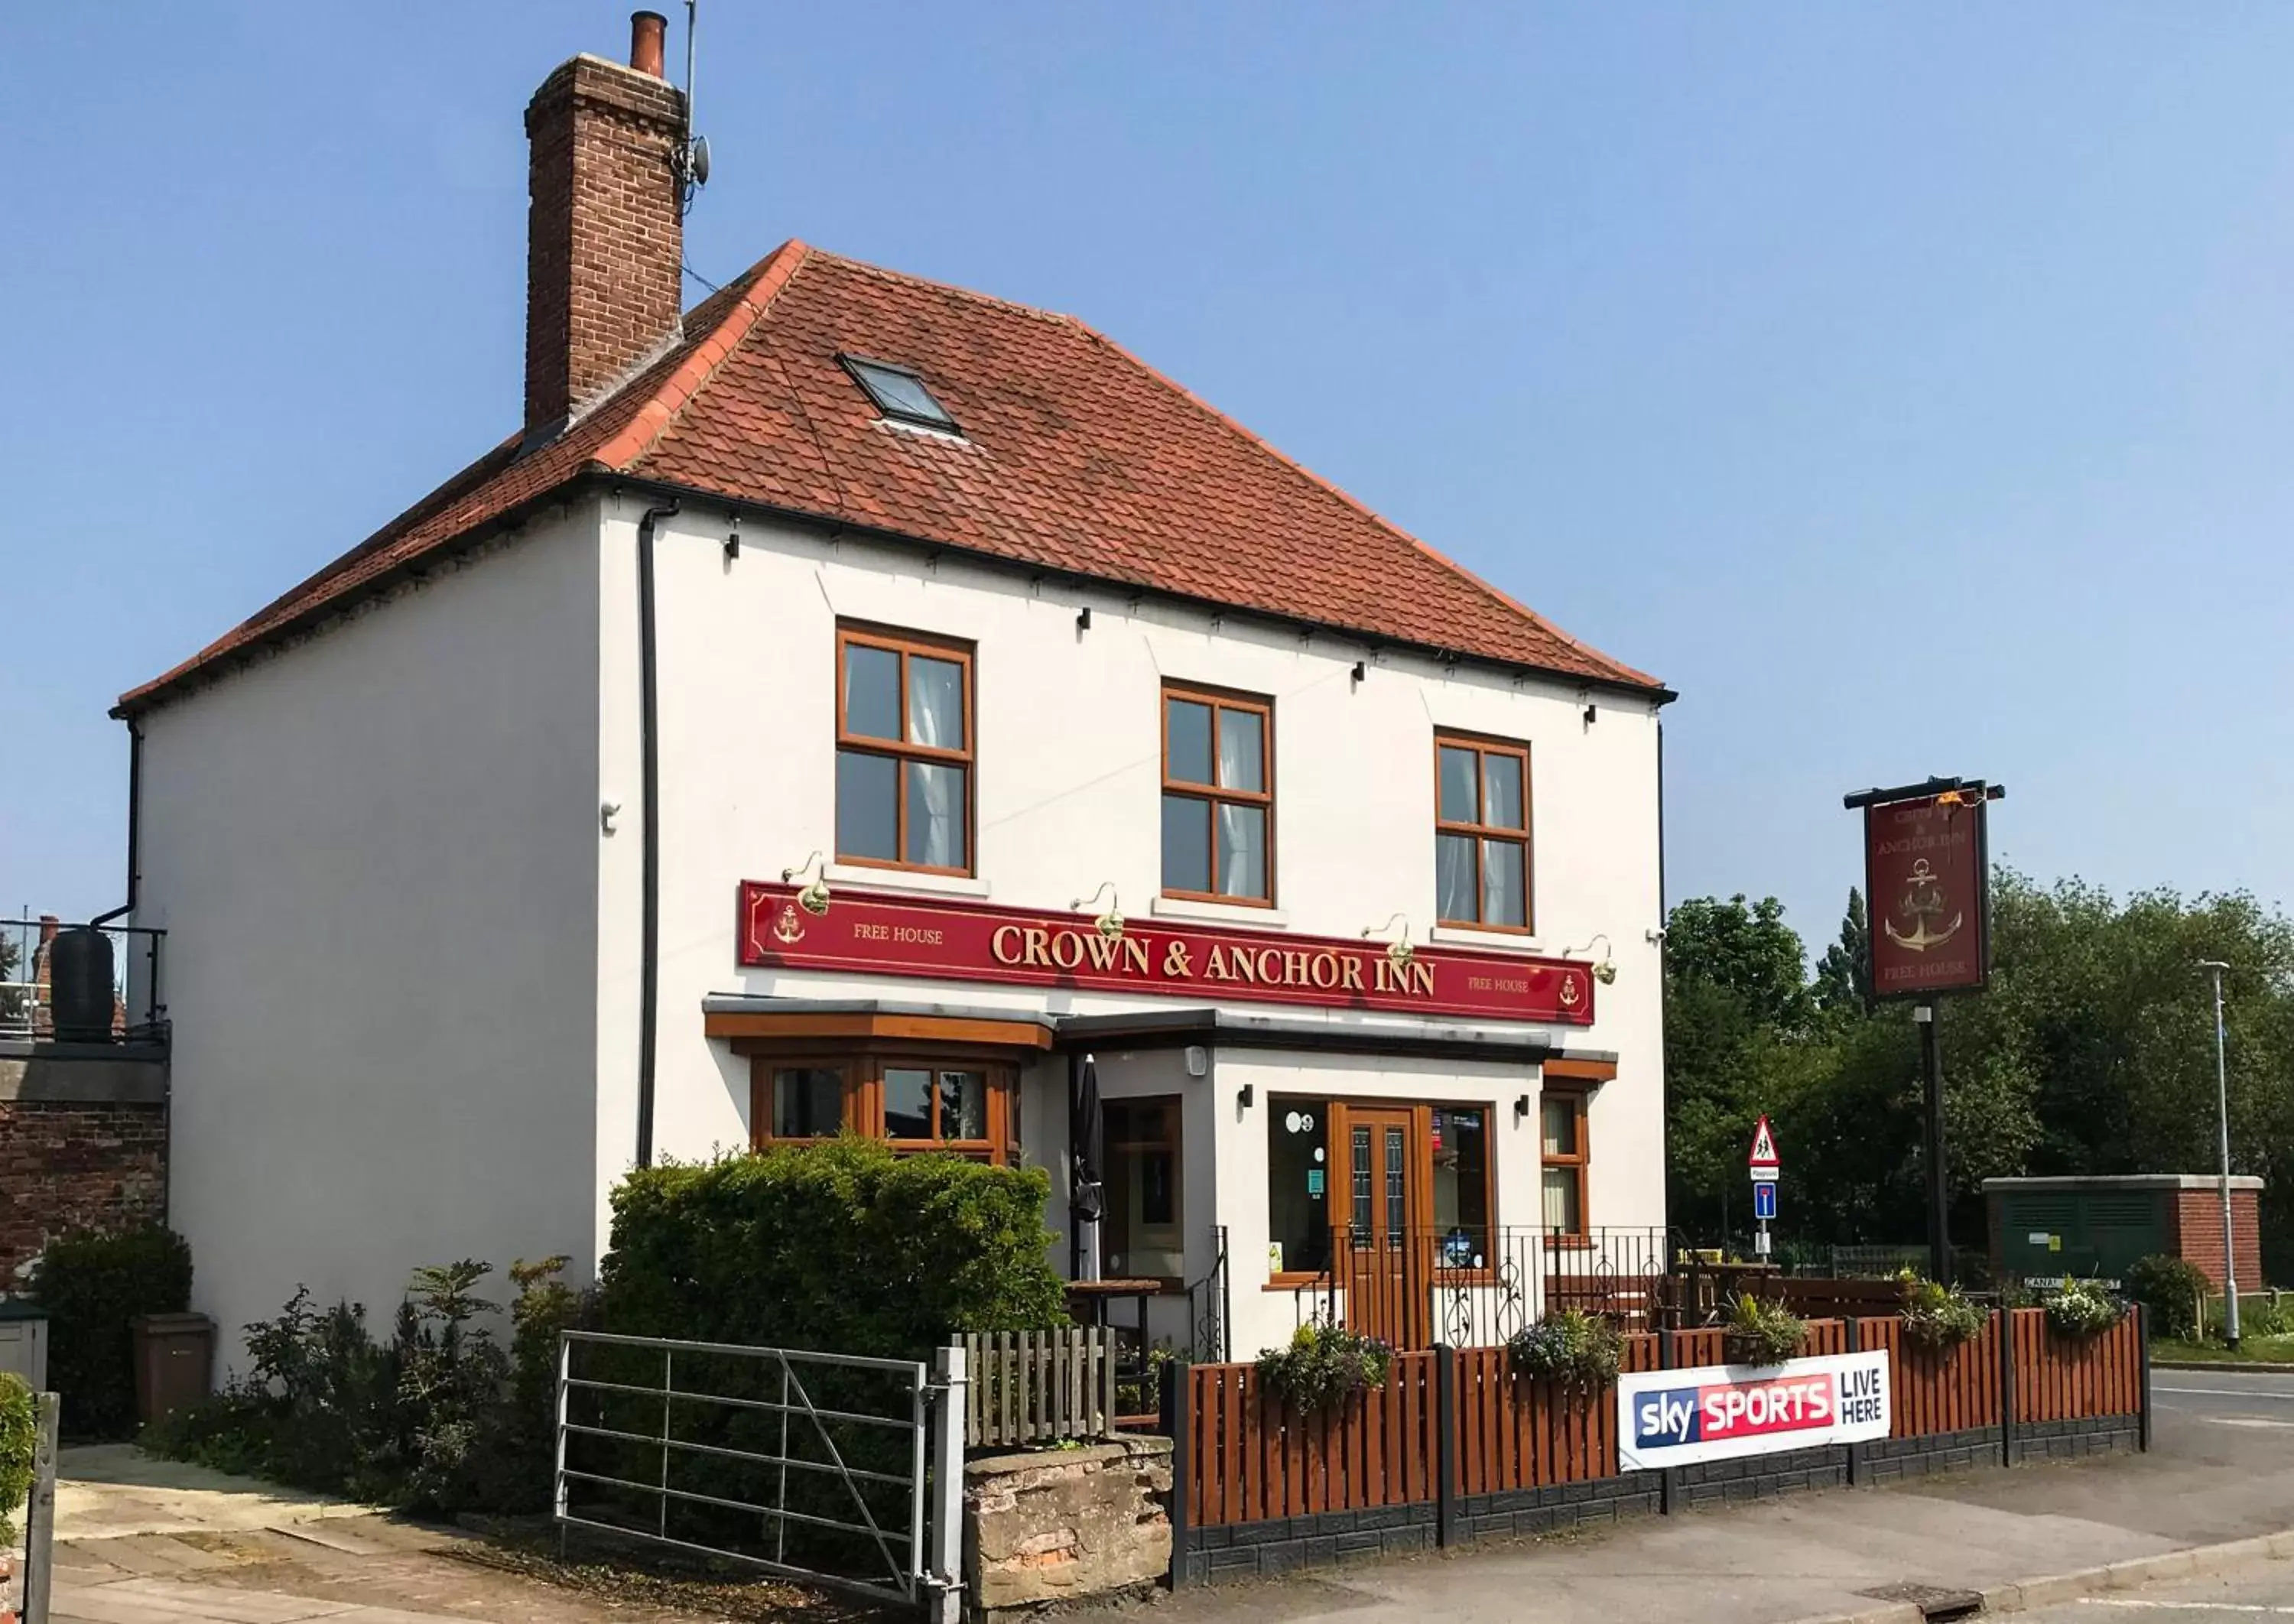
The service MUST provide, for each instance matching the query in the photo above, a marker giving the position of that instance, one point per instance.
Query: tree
(1843, 976)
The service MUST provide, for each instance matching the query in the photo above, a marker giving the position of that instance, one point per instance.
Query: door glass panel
(1298, 1213)
(963, 1105)
(1364, 1211)
(907, 1102)
(1461, 1190)
(1397, 1207)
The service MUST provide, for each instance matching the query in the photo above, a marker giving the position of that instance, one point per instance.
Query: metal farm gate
(827, 1467)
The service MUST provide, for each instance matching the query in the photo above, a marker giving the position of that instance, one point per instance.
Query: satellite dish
(696, 160)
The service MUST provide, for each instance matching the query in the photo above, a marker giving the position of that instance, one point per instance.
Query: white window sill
(862, 878)
(1504, 941)
(1217, 913)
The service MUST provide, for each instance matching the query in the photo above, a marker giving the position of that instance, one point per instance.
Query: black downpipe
(649, 812)
(134, 825)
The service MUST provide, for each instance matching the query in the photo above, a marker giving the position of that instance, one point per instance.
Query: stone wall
(1054, 1525)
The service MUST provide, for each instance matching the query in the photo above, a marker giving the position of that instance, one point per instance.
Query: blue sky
(1907, 386)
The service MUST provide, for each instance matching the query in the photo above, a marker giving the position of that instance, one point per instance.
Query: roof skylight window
(899, 393)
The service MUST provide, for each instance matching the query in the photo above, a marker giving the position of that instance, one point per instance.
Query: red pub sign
(1926, 877)
(966, 941)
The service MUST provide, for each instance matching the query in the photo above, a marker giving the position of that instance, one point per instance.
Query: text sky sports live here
(1716, 1412)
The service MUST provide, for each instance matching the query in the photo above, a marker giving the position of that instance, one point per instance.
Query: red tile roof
(1075, 456)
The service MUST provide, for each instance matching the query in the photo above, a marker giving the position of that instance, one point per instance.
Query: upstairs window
(1481, 833)
(904, 751)
(1219, 796)
(899, 393)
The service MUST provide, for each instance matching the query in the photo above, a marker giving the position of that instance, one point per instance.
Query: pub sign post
(1927, 895)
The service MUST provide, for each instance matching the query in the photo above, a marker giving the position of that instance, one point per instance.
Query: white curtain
(936, 793)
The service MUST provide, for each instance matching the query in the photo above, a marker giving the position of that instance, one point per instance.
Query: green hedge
(19, 1437)
(842, 1246)
(92, 1284)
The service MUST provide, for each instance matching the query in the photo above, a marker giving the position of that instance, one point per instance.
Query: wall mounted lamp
(1108, 924)
(1362, 670)
(1398, 952)
(1604, 970)
(1247, 1096)
(1521, 1107)
(733, 540)
(1083, 619)
(814, 898)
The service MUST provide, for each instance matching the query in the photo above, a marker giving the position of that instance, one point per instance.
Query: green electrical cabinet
(2043, 1229)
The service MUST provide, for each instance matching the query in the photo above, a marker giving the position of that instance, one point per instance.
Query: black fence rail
(81, 983)
(1477, 1287)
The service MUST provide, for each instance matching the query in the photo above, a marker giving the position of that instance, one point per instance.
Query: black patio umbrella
(1086, 1198)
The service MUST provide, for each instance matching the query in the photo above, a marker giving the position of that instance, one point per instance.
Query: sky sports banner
(1713, 1412)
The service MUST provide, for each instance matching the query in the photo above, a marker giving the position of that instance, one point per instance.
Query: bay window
(917, 1101)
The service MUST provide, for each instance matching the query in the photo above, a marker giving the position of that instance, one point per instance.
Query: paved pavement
(2252, 1595)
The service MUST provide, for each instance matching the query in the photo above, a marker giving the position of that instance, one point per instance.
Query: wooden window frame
(900, 753)
(1213, 796)
(1174, 1106)
(1488, 1271)
(1581, 1100)
(1482, 746)
(863, 1069)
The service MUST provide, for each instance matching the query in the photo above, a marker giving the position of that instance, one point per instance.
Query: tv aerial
(691, 159)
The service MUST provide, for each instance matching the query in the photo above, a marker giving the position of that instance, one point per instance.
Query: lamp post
(2222, 1105)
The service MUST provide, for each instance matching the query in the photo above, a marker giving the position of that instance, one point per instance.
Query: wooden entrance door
(1386, 1290)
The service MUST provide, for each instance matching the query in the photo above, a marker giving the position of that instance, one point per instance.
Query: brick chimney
(604, 236)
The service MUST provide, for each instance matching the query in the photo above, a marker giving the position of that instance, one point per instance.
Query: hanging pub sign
(967, 941)
(1927, 887)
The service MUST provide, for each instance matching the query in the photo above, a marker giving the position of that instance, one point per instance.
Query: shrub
(2171, 1289)
(1939, 1316)
(841, 1247)
(91, 1284)
(438, 1419)
(19, 1437)
(1761, 1333)
(1570, 1346)
(1324, 1366)
(2082, 1308)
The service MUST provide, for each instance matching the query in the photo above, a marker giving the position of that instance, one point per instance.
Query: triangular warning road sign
(1764, 1147)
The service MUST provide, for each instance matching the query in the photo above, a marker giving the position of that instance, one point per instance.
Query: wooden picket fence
(1246, 1457)
(1039, 1386)
(1252, 1459)
(2063, 1378)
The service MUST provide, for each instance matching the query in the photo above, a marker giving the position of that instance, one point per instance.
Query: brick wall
(65, 1166)
(605, 233)
(2198, 1223)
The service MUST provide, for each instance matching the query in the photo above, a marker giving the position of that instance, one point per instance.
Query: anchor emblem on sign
(1924, 904)
(1570, 995)
(788, 930)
